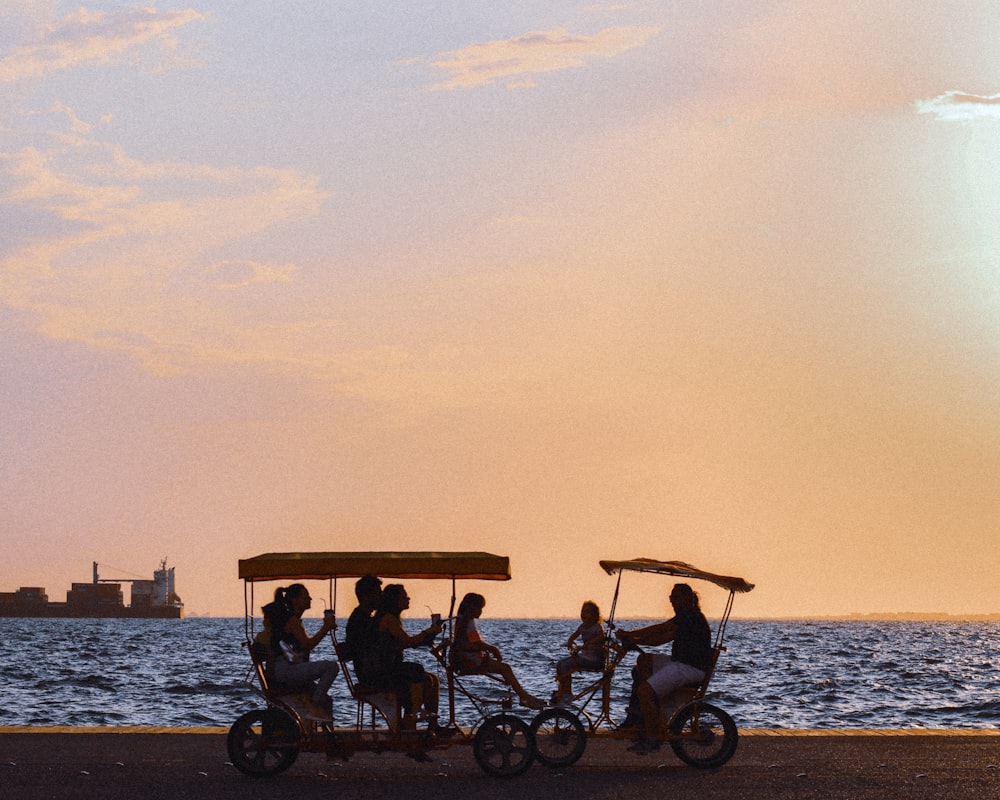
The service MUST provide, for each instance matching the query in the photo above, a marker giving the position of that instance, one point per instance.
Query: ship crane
(113, 580)
(158, 592)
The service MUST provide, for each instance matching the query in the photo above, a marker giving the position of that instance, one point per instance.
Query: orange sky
(593, 281)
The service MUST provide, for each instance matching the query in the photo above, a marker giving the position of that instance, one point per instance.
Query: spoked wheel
(702, 735)
(503, 746)
(560, 737)
(263, 742)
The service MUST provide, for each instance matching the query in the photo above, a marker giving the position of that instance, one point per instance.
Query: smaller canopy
(322, 566)
(678, 569)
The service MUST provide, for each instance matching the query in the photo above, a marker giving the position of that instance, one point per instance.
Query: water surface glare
(189, 673)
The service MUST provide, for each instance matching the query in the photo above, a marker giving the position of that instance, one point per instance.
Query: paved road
(176, 766)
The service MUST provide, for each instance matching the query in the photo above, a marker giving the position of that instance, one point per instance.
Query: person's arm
(572, 637)
(296, 630)
(651, 635)
(394, 626)
(466, 644)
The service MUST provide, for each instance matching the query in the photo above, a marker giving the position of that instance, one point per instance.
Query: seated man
(358, 636)
(658, 675)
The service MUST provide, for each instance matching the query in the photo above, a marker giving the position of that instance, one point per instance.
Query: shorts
(669, 675)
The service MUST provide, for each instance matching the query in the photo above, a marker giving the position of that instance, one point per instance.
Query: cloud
(124, 261)
(517, 59)
(235, 274)
(961, 107)
(92, 38)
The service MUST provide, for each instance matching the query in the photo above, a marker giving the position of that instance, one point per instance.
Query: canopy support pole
(614, 601)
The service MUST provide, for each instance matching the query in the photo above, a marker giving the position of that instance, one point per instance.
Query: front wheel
(503, 746)
(702, 735)
(560, 737)
(263, 742)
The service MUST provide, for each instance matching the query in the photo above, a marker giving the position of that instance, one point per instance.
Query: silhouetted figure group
(375, 643)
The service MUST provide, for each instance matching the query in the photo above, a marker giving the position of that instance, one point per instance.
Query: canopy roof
(321, 566)
(678, 569)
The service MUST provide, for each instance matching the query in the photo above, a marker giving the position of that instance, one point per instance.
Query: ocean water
(190, 672)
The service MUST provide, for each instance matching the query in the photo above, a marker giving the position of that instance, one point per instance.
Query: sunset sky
(714, 281)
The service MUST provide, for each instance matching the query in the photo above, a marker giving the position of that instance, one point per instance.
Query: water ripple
(773, 674)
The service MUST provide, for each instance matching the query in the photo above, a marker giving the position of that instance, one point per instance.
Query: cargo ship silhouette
(102, 597)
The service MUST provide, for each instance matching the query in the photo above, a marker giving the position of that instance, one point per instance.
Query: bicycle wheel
(702, 735)
(263, 742)
(560, 737)
(503, 746)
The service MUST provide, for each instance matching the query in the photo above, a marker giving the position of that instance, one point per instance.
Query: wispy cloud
(514, 61)
(231, 274)
(961, 107)
(126, 262)
(93, 38)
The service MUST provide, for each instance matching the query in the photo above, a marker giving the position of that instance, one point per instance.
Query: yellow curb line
(810, 732)
(126, 729)
(815, 732)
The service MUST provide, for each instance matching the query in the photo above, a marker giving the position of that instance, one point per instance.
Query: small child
(589, 655)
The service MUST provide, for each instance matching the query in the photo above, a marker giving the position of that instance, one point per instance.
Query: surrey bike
(266, 741)
(700, 733)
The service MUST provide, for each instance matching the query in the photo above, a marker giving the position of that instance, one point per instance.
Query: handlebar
(629, 646)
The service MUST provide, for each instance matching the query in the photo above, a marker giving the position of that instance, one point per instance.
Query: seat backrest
(259, 654)
(338, 649)
(703, 686)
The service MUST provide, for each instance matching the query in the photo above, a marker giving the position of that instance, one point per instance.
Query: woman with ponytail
(291, 646)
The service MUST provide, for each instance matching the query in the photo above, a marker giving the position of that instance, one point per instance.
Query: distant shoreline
(914, 616)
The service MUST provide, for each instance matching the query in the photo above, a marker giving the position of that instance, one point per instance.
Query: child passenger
(589, 654)
(470, 654)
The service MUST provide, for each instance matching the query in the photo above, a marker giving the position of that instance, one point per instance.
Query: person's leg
(645, 665)
(325, 675)
(564, 675)
(668, 677)
(316, 677)
(413, 676)
(650, 710)
(299, 676)
(504, 670)
(673, 675)
(416, 696)
(432, 690)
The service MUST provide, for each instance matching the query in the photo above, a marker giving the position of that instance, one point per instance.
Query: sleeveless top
(693, 640)
(467, 659)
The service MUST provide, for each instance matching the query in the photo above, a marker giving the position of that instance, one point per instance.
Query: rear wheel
(503, 746)
(703, 736)
(263, 742)
(560, 737)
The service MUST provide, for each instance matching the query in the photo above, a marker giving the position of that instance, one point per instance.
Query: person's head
(298, 598)
(368, 590)
(472, 605)
(683, 596)
(290, 600)
(394, 599)
(590, 613)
